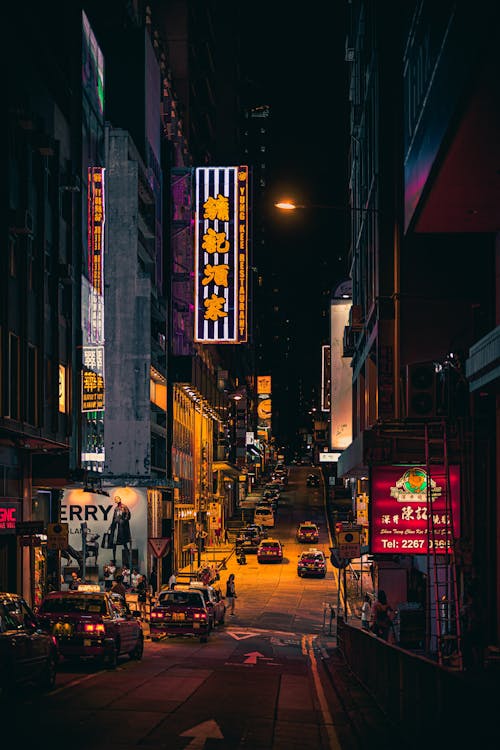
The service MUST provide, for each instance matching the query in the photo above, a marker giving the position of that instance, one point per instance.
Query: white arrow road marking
(239, 636)
(254, 655)
(202, 732)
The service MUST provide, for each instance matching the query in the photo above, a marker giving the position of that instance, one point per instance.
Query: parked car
(270, 550)
(214, 602)
(27, 655)
(92, 623)
(180, 612)
(312, 563)
(248, 540)
(263, 515)
(312, 480)
(307, 531)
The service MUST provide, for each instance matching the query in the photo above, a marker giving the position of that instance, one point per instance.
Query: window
(32, 386)
(13, 375)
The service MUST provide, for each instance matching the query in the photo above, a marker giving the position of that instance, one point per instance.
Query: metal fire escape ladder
(441, 563)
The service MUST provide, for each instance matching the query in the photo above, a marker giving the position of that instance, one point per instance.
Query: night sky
(294, 61)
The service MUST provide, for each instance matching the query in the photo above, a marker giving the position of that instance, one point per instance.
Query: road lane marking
(202, 732)
(74, 683)
(307, 648)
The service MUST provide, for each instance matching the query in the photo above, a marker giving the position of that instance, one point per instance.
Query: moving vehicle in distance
(270, 550)
(312, 480)
(264, 516)
(307, 531)
(28, 656)
(312, 562)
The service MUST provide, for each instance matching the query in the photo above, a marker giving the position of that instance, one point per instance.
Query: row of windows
(20, 382)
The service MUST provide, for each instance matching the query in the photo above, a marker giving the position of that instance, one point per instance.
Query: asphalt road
(268, 680)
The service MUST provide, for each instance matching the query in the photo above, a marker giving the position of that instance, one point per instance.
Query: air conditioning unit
(349, 54)
(21, 222)
(421, 390)
(356, 318)
(349, 343)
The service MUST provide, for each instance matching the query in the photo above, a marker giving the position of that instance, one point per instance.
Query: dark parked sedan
(27, 655)
(92, 624)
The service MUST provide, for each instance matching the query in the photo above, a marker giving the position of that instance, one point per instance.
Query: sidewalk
(217, 556)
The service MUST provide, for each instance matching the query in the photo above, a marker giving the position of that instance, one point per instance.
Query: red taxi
(270, 550)
(312, 563)
(307, 532)
(92, 623)
(180, 612)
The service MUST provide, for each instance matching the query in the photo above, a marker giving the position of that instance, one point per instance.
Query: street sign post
(159, 546)
(57, 536)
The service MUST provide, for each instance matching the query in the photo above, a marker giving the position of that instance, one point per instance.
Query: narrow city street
(270, 679)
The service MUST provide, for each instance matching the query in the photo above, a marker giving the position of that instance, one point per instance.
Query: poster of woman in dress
(112, 530)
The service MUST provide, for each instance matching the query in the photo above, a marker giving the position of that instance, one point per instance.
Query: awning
(227, 468)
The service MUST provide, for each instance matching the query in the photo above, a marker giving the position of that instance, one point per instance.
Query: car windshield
(308, 528)
(74, 605)
(272, 545)
(313, 557)
(185, 598)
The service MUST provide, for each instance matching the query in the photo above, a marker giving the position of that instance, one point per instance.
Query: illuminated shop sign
(221, 255)
(10, 513)
(92, 378)
(399, 510)
(95, 233)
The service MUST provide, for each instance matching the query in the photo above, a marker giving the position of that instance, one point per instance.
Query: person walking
(381, 616)
(118, 587)
(142, 596)
(109, 575)
(75, 582)
(217, 532)
(366, 609)
(172, 581)
(226, 536)
(231, 594)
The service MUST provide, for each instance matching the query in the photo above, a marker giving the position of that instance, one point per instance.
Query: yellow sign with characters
(57, 535)
(349, 543)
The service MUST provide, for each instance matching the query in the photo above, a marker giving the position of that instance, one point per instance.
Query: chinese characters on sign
(95, 232)
(399, 510)
(92, 378)
(221, 254)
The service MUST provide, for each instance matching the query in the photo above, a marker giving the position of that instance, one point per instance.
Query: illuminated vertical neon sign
(221, 255)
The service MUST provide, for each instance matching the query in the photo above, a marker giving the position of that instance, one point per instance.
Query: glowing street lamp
(290, 205)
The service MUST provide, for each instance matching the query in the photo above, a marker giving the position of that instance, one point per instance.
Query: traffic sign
(57, 535)
(349, 544)
(159, 545)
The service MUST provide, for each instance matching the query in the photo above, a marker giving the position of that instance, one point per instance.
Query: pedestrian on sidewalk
(172, 581)
(366, 609)
(381, 616)
(230, 594)
(142, 596)
(217, 535)
(226, 536)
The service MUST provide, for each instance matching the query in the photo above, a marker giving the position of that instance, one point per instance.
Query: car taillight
(200, 616)
(157, 615)
(94, 627)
